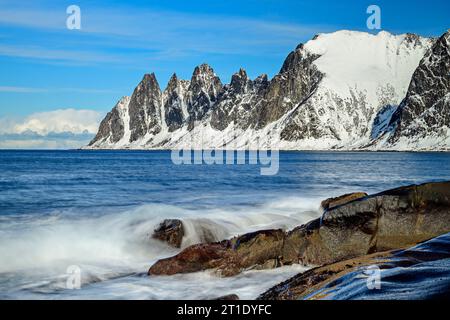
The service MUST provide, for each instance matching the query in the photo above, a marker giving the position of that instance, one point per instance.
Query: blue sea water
(96, 210)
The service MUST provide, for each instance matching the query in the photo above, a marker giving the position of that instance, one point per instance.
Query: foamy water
(97, 210)
(114, 251)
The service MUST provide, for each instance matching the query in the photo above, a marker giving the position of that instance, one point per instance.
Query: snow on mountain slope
(115, 127)
(337, 91)
(422, 121)
(364, 74)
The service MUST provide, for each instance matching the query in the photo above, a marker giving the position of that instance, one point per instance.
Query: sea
(89, 215)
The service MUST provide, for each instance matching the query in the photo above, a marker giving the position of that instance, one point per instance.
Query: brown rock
(384, 221)
(318, 282)
(228, 297)
(192, 259)
(229, 257)
(388, 220)
(331, 203)
(170, 231)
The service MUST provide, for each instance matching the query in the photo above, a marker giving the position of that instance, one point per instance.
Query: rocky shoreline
(419, 272)
(353, 230)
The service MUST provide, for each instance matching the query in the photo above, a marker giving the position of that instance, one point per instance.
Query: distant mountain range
(345, 90)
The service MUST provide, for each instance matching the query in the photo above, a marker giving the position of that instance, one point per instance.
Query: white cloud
(58, 121)
(58, 129)
(42, 144)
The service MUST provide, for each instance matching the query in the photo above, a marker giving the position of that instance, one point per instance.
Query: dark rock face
(240, 83)
(297, 80)
(420, 272)
(295, 97)
(330, 203)
(174, 101)
(295, 106)
(145, 108)
(255, 104)
(112, 128)
(388, 220)
(426, 109)
(236, 102)
(170, 231)
(243, 103)
(203, 91)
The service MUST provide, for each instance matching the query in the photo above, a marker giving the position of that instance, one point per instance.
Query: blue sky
(46, 67)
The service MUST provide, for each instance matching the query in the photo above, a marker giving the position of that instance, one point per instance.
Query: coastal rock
(170, 231)
(388, 220)
(228, 257)
(195, 258)
(228, 297)
(330, 203)
(419, 272)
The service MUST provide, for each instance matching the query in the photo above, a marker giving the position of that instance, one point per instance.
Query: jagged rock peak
(411, 37)
(295, 58)
(320, 100)
(173, 78)
(242, 72)
(240, 81)
(240, 75)
(203, 69)
(261, 82)
(414, 40)
(150, 76)
(173, 83)
(149, 81)
(300, 46)
(262, 78)
(204, 79)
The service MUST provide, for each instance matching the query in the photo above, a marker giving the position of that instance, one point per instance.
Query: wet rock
(331, 203)
(228, 297)
(419, 272)
(170, 231)
(195, 258)
(228, 257)
(388, 220)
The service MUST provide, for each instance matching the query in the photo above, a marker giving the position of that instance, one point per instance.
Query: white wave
(38, 250)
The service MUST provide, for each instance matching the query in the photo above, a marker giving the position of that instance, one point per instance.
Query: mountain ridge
(337, 91)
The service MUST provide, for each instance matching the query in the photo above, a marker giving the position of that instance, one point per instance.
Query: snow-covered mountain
(343, 90)
(422, 121)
